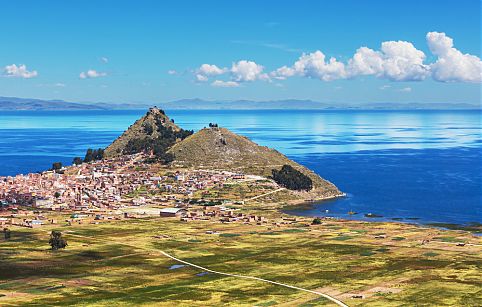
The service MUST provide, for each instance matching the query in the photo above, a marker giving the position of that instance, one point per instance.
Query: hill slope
(219, 148)
(145, 132)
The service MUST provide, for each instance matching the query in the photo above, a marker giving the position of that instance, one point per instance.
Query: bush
(93, 155)
(316, 221)
(56, 166)
(56, 241)
(291, 178)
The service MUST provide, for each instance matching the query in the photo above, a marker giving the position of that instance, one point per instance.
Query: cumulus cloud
(243, 71)
(104, 60)
(221, 83)
(452, 65)
(396, 61)
(313, 65)
(171, 72)
(19, 71)
(92, 74)
(206, 70)
(211, 70)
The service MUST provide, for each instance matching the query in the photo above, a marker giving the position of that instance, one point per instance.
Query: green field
(120, 263)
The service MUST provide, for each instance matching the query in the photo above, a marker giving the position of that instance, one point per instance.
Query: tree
(56, 241)
(6, 233)
(316, 221)
(93, 155)
(56, 166)
(77, 161)
(291, 178)
(88, 156)
(57, 195)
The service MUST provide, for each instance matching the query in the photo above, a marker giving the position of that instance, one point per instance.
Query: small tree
(56, 194)
(88, 155)
(56, 241)
(316, 221)
(56, 166)
(77, 161)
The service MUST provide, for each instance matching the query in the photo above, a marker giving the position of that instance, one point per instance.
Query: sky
(157, 51)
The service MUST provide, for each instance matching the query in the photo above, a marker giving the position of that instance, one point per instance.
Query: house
(172, 212)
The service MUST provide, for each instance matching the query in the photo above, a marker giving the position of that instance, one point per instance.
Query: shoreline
(474, 228)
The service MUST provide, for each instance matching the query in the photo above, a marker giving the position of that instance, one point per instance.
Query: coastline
(294, 207)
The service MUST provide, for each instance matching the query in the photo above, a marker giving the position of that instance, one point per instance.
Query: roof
(171, 210)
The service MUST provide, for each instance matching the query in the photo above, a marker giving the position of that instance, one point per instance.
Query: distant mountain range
(27, 104)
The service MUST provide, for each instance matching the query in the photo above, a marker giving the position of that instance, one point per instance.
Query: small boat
(372, 215)
(352, 212)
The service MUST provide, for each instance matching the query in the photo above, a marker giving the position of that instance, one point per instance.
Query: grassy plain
(120, 263)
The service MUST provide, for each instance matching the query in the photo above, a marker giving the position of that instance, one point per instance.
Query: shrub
(316, 221)
(56, 241)
(93, 155)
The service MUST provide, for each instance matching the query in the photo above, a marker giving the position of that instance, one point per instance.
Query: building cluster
(94, 191)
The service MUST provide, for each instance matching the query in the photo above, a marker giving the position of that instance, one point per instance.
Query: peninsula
(167, 216)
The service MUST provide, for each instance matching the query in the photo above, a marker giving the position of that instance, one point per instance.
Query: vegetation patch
(291, 178)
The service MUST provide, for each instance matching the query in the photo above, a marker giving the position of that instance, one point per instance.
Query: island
(164, 216)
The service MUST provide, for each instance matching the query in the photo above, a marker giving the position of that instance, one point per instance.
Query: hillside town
(117, 188)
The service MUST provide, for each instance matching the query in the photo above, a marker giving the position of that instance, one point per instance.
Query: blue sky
(152, 51)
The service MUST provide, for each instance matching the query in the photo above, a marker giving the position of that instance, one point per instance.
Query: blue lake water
(399, 164)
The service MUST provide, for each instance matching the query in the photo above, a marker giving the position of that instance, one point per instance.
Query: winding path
(268, 193)
(334, 300)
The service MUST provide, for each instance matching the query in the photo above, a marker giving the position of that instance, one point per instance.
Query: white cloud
(243, 71)
(220, 83)
(171, 72)
(396, 61)
(59, 84)
(313, 65)
(104, 60)
(384, 87)
(201, 78)
(282, 73)
(206, 70)
(452, 65)
(19, 71)
(211, 70)
(92, 74)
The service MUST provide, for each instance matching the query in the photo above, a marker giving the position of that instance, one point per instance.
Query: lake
(422, 166)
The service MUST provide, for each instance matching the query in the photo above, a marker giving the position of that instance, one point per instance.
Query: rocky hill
(152, 131)
(219, 148)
